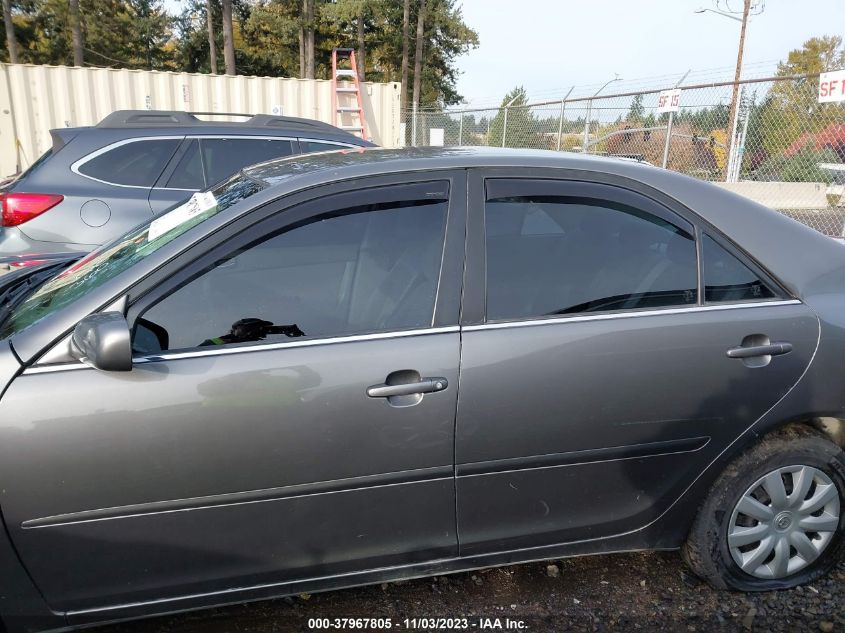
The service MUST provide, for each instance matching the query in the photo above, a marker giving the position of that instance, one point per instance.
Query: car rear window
(135, 163)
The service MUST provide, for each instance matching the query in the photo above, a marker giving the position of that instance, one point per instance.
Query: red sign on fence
(669, 101)
(832, 86)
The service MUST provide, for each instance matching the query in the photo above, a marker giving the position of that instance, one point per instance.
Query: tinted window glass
(316, 146)
(225, 156)
(138, 163)
(113, 258)
(552, 255)
(728, 279)
(369, 269)
(188, 173)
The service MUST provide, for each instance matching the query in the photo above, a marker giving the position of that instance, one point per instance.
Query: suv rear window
(136, 163)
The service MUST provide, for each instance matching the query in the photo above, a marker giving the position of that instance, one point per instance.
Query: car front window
(110, 260)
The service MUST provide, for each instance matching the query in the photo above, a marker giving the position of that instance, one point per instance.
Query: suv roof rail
(272, 120)
(168, 118)
(148, 118)
(240, 114)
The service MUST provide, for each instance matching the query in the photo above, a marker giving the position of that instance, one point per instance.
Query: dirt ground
(621, 592)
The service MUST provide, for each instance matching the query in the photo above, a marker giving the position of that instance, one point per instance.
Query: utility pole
(749, 8)
(735, 96)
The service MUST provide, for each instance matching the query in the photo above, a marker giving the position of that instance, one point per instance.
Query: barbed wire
(752, 70)
(783, 148)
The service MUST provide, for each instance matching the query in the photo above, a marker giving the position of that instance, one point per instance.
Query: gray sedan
(383, 364)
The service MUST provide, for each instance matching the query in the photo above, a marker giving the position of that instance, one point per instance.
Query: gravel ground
(622, 592)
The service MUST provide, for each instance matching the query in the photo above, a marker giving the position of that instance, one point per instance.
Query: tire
(798, 454)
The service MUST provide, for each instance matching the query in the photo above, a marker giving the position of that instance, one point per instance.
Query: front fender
(22, 609)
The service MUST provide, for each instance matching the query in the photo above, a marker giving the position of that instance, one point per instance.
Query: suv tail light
(18, 208)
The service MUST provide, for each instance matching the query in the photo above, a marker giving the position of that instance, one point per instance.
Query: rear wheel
(776, 516)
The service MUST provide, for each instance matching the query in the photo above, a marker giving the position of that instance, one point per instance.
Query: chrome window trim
(225, 351)
(302, 139)
(136, 139)
(80, 162)
(49, 369)
(576, 318)
(251, 137)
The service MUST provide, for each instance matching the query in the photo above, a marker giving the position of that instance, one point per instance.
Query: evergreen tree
(521, 128)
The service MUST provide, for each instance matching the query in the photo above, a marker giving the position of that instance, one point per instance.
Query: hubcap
(784, 522)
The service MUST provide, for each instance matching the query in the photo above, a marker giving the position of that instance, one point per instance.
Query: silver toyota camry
(365, 366)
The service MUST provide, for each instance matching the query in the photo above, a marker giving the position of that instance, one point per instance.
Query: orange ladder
(342, 90)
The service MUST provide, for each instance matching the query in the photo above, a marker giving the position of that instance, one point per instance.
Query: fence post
(669, 125)
(560, 123)
(414, 125)
(739, 142)
(731, 139)
(668, 140)
(461, 129)
(584, 145)
(505, 127)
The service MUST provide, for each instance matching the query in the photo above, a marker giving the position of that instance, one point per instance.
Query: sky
(549, 45)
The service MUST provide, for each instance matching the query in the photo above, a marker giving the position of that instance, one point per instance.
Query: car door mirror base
(103, 342)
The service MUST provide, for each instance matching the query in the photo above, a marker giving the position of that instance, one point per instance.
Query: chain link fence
(779, 146)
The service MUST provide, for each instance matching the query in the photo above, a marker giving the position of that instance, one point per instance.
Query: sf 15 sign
(669, 101)
(832, 86)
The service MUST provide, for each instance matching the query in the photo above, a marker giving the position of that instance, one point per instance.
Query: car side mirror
(103, 342)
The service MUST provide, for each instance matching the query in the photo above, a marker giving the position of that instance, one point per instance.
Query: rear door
(290, 413)
(595, 380)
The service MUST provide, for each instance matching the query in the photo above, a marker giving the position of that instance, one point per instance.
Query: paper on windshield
(198, 203)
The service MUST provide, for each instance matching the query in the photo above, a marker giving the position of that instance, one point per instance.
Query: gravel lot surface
(623, 592)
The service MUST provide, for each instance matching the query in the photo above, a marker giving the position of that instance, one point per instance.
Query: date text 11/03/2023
(412, 624)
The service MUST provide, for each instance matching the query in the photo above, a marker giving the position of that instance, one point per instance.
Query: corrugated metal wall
(35, 99)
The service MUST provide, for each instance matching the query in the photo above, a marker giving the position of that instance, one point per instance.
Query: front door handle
(771, 349)
(425, 385)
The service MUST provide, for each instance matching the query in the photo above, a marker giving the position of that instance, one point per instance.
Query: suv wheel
(775, 518)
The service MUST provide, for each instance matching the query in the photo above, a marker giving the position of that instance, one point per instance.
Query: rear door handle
(772, 349)
(425, 385)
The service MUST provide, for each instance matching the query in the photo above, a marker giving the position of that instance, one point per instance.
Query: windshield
(110, 260)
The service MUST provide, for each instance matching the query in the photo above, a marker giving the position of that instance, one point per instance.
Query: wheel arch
(672, 528)
(830, 426)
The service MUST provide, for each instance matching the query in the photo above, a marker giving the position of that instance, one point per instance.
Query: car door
(290, 412)
(595, 378)
(204, 161)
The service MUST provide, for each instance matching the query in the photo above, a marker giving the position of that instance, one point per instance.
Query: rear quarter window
(136, 163)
